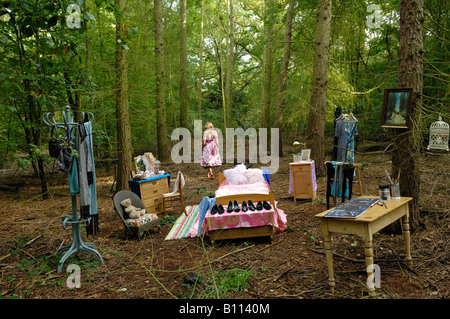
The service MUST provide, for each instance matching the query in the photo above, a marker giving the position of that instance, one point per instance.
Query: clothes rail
(74, 221)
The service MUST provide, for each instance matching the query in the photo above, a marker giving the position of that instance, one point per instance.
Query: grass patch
(168, 220)
(221, 285)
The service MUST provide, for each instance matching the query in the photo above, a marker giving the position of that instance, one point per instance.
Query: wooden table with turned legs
(370, 222)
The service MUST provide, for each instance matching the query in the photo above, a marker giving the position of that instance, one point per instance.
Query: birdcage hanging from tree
(439, 132)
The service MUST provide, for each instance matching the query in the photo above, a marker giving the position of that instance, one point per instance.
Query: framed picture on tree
(396, 107)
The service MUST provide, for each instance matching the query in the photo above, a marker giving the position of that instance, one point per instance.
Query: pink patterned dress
(210, 154)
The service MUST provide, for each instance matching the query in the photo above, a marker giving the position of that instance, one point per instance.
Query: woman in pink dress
(210, 155)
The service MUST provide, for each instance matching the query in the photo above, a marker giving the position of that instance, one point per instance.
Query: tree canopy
(63, 52)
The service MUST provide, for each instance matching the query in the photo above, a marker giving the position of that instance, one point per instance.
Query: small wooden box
(150, 191)
(303, 180)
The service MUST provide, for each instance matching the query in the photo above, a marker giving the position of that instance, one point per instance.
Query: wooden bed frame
(235, 233)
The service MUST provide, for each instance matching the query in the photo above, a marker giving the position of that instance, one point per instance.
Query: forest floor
(292, 267)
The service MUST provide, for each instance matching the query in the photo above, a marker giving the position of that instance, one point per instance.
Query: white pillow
(236, 176)
(254, 175)
(241, 168)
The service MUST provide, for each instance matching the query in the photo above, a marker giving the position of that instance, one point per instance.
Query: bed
(264, 223)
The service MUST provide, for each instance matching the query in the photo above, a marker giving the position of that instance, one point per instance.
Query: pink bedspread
(276, 218)
(226, 189)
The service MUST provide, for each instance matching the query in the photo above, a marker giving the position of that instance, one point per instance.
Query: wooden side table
(373, 220)
(303, 180)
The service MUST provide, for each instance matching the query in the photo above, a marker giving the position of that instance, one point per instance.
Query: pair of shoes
(233, 207)
(217, 209)
(244, 207)
(262, 205)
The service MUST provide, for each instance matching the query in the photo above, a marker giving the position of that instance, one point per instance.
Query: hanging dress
(351, 130)
(210, 154)
(341, 140)
(345, 131)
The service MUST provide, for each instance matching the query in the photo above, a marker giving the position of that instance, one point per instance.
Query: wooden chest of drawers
(150, 191)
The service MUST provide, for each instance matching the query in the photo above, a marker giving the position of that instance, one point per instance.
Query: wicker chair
(135, 201)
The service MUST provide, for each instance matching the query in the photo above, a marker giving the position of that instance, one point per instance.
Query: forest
(146, 68)
(240, 64)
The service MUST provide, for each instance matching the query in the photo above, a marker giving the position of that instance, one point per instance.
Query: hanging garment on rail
(74, 185)
(346, 130)
(82, 176)
(339, 181)
(88, 193)
(337, 114)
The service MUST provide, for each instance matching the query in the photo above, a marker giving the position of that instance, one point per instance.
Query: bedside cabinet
(150, 191)
(303, 180)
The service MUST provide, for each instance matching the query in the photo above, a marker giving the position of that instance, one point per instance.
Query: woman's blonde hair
(209, 125)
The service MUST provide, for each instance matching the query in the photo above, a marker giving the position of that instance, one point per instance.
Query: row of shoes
(234, 207)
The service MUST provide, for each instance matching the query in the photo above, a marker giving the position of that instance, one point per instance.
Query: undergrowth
(209, 283)
(40, 270)
(219, 284)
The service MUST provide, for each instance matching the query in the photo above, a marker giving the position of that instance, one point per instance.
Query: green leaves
(52, 21)
(4, 38)
(27, 28)
(37, 48)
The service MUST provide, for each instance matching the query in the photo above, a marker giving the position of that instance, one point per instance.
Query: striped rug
(186, 225)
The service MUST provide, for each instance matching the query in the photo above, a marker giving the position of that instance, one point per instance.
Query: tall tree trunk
(200, 68)
(32, 116)
(161, 129)
(283, 74)
(319, 85)
(183, 63)
(410, 75)
(267, 68)
(171, 108)
(230, 67)
(122, 107)
(35, 118)
(75, 104)
(101, 52)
